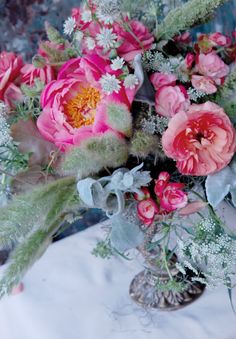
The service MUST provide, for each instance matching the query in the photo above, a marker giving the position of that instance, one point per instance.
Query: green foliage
(29, 222)
(143, 144)
(53, 34)
(119, 118)
(225, 96)
(103, 250)
(186, 16)
(22, 258)
(35, 210)
(94, 154)
(171, 285)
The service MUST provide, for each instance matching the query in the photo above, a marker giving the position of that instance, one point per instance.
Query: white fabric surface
(70, 294)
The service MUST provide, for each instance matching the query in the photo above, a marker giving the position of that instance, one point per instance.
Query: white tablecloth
(70, 294)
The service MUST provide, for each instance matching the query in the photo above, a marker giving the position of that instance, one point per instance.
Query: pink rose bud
(189, 60)
(211, 65)
(147, 210)
(161, 79)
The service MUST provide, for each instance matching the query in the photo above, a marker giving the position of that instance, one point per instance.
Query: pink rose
(161, 79)
(189, 60)
(171, 195)
(132, 43)
(29, 73)
(203, 84)
(201, 140)
(144, 194)
(169, 100)
(219, 39)
(147, 209)
(10, 66)
(74, 106)
(212, 66)
(184, 38)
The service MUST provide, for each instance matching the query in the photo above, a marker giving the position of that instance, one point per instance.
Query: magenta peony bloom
(10, 66)
(201, 140)
(74, 106)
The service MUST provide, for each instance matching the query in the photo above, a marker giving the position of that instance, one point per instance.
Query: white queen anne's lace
(131, 81)
(117, 63)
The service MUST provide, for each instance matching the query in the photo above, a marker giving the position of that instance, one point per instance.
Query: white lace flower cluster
(108, 11)
(5, 137)
(215, 255)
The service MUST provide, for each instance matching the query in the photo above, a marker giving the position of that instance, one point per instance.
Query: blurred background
(22, 21)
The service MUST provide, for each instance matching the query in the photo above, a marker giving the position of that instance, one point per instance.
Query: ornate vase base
(143, 291)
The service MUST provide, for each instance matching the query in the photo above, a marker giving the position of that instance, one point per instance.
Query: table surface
(70, 294)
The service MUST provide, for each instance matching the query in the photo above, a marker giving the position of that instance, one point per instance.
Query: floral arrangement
(132, 116)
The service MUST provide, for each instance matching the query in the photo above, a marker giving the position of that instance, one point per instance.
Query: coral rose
(169, 100)
(74, 105)
(10, 66)
(201, 140)
(134, 42)
(211, 65)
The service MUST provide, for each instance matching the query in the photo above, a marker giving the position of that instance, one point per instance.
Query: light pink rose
(10, 66)
(169, 100)
(219, 39)
(29, 73)
(201, 140)
(132, 43)
(203, 84)
(171, 195)
(74, 106)
(147, 209)
(211, 65)
(161, 79)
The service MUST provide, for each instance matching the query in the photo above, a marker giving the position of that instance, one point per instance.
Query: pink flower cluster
(130, 42)
(169, 197)
(14, 73)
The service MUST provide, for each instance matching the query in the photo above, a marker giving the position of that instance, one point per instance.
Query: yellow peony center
(80, 110)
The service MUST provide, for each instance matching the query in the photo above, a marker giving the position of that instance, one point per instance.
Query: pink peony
(29, 73)
(171, 195)
(147, 209)
(203, 84)
(74, 105)
(211, 65)
(170, 100)
(132, 43)
(201, 140)
(161, 79)
(10, 66)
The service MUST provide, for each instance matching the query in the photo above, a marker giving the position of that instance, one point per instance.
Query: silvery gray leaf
(124, 234)
(146, 92)
(233, 196)
(218, 185)
(114, 204)
(91, 192)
